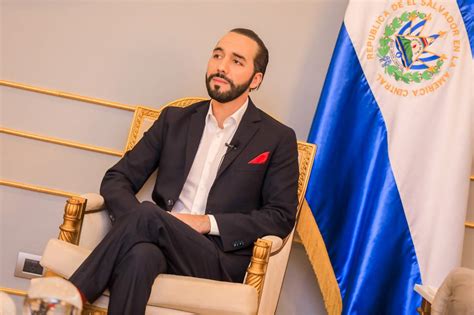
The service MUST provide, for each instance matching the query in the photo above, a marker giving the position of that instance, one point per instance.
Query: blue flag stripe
(466, 7)
(354, 197)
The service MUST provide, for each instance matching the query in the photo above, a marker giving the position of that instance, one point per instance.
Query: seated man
(227, 175)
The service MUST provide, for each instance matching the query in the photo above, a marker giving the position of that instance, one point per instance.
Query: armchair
(454, 296)
(86, 223)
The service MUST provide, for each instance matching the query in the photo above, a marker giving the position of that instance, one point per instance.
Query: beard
(225, 97)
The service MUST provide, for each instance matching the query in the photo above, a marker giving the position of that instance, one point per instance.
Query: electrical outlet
(28, 266)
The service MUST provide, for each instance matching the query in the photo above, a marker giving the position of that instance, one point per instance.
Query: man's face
(230, 70)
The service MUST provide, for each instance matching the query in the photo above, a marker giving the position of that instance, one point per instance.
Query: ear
(256, 81)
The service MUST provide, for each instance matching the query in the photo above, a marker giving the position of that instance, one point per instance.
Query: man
(227, 172)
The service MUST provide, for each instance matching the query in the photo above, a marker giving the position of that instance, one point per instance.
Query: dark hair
(261, 59)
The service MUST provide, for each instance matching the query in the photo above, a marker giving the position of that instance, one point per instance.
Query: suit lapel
(248, 126)
(195, 130)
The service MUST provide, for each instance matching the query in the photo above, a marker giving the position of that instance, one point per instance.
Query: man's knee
(143, 261)
(146, 257)
(146, 212)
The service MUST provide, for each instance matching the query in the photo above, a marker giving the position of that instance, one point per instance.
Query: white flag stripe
(428, 124)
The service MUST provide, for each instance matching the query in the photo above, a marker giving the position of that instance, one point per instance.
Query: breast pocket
(251, 168)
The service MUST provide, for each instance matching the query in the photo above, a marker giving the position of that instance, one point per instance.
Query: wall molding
(36, 188)
(67, 95)
(13, 291)
(63, 142)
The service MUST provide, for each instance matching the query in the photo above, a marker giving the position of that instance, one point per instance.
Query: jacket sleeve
(124, 179)
(279, 201)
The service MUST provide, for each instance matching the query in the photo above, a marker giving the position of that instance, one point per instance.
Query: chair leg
(258, 265)
(89, 309)
(425, 308)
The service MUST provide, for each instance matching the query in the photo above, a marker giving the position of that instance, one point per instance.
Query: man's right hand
(199, 222)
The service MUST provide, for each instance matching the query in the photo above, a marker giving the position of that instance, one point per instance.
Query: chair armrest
(96, 222)
(203, 296)
(74, 216)
(95, 202)
(426, 291)
(63, 258)
(277, 243)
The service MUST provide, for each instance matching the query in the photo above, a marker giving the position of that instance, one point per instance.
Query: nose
(223, 66)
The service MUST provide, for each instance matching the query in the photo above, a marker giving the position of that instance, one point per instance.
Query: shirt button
(170, 202)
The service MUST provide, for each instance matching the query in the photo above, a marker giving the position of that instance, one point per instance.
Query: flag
(389, 185)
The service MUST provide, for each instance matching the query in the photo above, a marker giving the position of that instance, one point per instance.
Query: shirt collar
(236, 117)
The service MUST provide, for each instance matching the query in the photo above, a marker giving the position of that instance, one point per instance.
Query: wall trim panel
(63, 142)
(67, 95)
(36, 188)
(13, 291)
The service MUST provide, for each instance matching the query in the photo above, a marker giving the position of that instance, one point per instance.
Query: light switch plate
(27, 266)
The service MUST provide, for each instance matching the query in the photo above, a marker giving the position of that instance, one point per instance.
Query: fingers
(199, 223)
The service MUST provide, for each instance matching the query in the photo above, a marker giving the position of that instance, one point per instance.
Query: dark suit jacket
(248, 201)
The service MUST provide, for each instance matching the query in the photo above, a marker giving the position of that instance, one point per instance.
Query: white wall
(139, 52)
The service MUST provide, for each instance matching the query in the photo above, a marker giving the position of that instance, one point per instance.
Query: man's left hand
(200, 223)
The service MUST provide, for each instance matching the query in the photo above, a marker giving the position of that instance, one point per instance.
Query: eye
(238, 62)
(216, 56)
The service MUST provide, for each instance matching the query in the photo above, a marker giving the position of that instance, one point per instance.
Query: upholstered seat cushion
(195, 295)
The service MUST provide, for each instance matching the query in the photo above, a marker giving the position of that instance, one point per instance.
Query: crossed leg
(133, 277)
(143, 244)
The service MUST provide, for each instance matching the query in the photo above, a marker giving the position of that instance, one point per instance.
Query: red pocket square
(260, 159)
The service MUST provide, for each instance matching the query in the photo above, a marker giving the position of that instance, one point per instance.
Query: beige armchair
(454, 296)
(86, 223)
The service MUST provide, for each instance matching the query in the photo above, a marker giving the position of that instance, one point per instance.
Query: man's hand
(200, 223)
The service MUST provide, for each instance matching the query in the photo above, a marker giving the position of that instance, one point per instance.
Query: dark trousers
(141, 245)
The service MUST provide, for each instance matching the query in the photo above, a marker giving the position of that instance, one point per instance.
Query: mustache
(220, 76)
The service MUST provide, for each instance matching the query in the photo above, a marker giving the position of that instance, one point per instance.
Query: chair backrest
(142, 121)
(143, 118)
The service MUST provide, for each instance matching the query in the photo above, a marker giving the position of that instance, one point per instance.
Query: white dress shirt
(209, 157)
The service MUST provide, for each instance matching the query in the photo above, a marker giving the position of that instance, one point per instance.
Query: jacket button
(170, 202)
